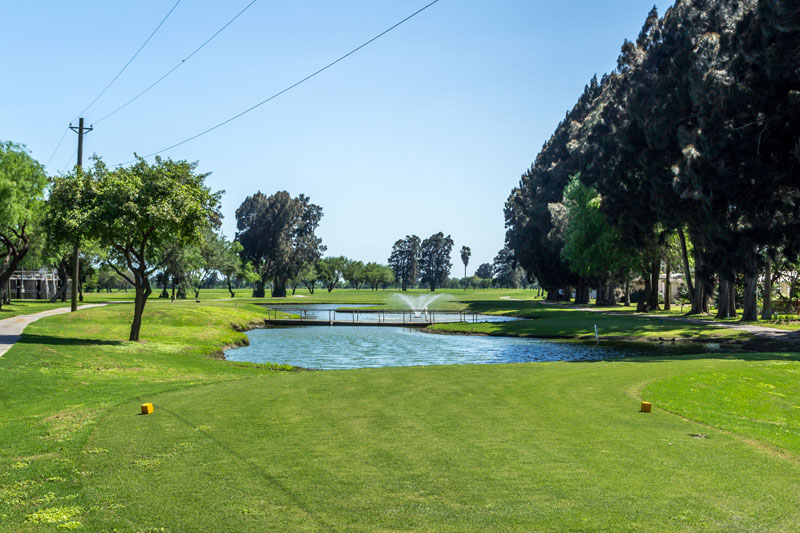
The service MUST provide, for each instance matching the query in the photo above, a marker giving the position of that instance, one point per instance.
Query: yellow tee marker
(645, 407)
(147, 408)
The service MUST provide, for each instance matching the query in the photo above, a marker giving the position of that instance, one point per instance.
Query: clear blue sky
(427, 129)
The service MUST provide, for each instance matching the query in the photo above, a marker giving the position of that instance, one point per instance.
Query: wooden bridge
(377, 318)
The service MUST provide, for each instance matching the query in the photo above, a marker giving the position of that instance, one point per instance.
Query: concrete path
(11, 328)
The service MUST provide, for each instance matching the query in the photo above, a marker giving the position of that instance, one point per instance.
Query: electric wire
(176, 67)
(289, 88)
(96, 98)
(61, 140)
(71, 158)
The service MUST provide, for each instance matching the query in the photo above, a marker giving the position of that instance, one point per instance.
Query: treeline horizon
(157, 227)
(685, 158)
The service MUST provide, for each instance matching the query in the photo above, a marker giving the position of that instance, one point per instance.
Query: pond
(342, 347)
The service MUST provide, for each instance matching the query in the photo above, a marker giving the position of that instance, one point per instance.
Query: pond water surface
(340, 347)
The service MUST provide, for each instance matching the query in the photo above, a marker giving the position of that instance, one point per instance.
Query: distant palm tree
(465, 253)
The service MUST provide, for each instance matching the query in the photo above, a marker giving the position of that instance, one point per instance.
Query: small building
(39, 284)
(676, 282)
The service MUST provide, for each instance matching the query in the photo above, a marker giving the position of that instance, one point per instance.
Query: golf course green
(525, 447)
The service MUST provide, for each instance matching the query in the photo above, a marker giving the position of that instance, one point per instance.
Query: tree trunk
(258, 289)
(611, 298)
(279, 287)
(143, 291)
(172, 297)
(230, 289)
(600, 296)
(687, 273)
(724, 299)
(627, 290)
(62, 282)
(699, 294)
(732, 298)
(643, 305)
(80, 291)
(164, 280)
(654, 275)
(766, 311)
(62, 289)
(667, 287)
(750, 306)
(76, 259)
(582, 292)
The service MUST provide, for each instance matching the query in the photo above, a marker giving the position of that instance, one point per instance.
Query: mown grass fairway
(236, 447)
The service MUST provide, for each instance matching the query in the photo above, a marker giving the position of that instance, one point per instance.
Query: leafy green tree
(330, 271)
(207, 256)
(22, 185)
(404, 260)
(472, 282)
(506, 272)
(378, 275)
(435, 265)
(592, 247)
(529, 222)
(106, 278)
(69, 206)
(309, 276)
(354, 273)
(277, 236)
(484, 271)
(137, 210)
(230, 263)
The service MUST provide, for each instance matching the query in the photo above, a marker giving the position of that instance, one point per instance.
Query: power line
(72, 157)
(96, 98)
(176, 67)
(61, 140)
(290, 87)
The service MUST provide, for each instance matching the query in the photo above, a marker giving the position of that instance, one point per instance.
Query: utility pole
(80, 130)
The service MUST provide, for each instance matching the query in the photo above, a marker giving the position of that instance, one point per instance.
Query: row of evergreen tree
(693, 139)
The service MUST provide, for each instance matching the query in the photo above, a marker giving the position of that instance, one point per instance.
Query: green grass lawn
(236, 447)
(549, 321)
(26, 307)
(759, 398)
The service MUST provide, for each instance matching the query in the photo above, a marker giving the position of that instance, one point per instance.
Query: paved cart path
(11, 328)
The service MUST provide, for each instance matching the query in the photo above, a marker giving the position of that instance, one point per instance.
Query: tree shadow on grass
(64, 341)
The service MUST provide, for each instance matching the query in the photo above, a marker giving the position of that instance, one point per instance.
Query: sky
(426, 129)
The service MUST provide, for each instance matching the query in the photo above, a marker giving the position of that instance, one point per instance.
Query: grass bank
(552, 321)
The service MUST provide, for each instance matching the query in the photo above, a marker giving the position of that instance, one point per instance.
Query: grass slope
(543, 446)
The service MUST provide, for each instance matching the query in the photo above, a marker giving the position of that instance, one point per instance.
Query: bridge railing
(388, 316)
